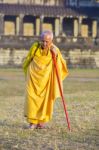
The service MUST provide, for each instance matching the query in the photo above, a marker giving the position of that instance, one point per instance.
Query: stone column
(75, 27)
(79, 27)
(1, 24)
(98, 28)
(21, 16)
(57, 26)
(41, 23)
(37, 26)
(61, 26)
(17, 25)
(94, 28)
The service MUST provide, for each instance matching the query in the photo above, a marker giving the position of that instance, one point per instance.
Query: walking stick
(60, 89)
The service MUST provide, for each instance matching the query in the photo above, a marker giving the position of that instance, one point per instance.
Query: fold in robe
(41, 84)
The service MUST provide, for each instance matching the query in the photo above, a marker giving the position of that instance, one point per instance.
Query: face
(46, 41)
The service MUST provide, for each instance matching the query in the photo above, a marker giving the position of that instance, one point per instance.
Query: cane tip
(70, 130)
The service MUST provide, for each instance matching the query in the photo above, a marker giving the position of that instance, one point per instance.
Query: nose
(44, 43)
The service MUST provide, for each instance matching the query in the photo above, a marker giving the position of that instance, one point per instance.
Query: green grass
(81, 91)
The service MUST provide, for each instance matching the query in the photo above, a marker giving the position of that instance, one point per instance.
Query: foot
(32, 126)
(40, 126)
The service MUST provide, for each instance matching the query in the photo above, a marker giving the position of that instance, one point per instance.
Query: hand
(53, 49)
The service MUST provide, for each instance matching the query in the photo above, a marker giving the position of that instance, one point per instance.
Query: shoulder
(35, 44)
(55, 47)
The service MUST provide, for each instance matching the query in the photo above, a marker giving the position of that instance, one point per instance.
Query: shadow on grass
(57, 137)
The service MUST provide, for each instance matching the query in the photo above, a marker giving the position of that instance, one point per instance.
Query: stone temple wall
(76, 58)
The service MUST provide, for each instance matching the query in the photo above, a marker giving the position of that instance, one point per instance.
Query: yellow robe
(41, 83)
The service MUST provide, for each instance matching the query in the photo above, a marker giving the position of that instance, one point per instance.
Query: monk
(41, 81)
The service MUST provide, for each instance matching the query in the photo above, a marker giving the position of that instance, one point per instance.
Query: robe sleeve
(61, 64)
(63, 71)
(29, 57)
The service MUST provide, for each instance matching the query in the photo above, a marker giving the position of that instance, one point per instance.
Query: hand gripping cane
(60, 88)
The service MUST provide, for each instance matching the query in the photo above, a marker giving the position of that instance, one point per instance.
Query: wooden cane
(60, 88)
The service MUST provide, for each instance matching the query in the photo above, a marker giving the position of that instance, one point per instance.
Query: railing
(26, 41)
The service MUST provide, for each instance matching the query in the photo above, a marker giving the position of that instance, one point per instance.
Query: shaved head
(48, 34)
(46, 39)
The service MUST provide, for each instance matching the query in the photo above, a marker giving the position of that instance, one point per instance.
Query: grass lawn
(81, 91)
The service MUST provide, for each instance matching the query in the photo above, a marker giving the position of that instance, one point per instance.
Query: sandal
(32, 126)
(40, 126)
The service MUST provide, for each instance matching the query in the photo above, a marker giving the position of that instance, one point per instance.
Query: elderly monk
(41, 81)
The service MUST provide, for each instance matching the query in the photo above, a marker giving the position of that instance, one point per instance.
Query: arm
(61, 62)
(54, 49)
(29, 57)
